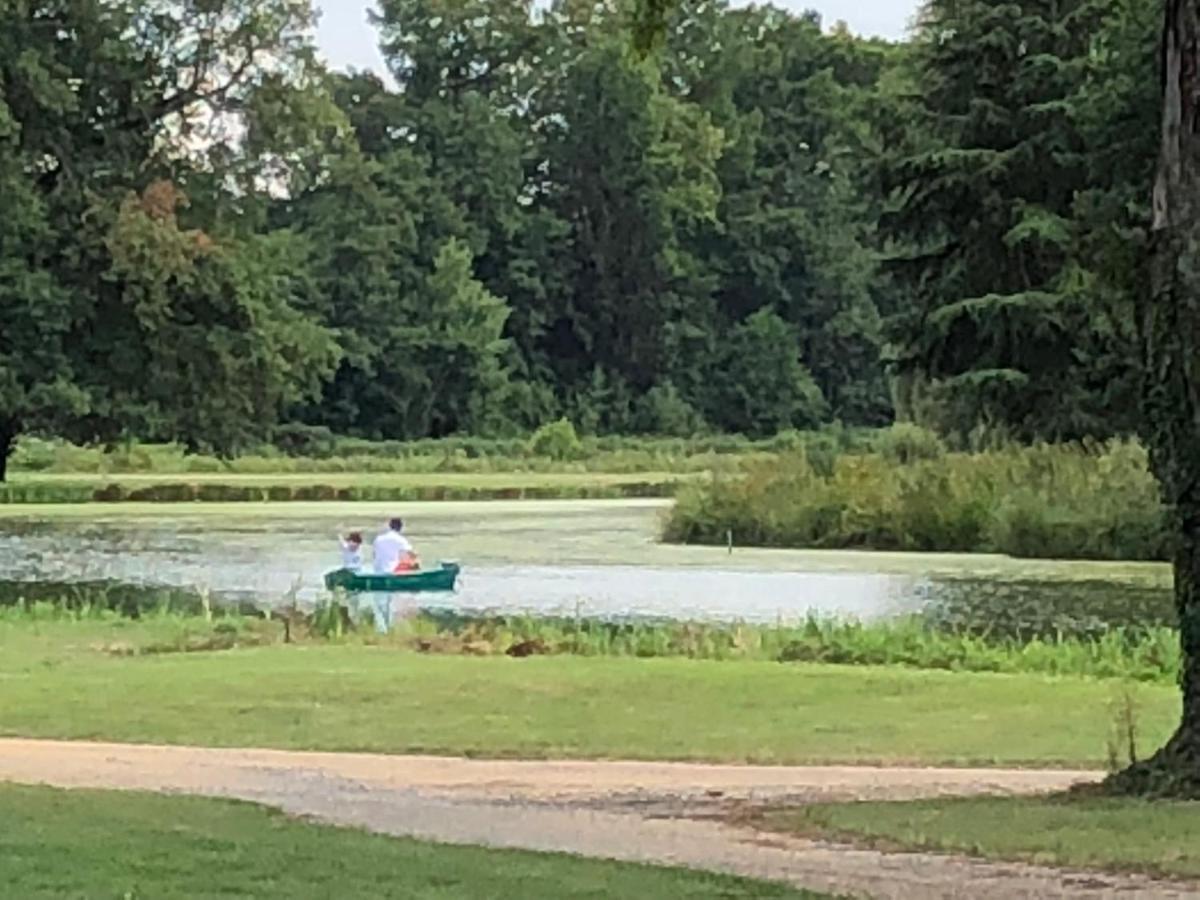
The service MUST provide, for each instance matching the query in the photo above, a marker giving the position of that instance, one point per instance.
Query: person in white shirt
(352, 551)
(392, 551)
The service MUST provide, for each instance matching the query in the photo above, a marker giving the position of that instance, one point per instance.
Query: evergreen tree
(993, 320)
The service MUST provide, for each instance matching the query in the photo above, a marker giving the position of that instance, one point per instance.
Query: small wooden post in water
(729, 539)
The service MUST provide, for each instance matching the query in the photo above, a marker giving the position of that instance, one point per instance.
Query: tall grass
(1142, 654)
(118, 599)
(1055, 501)
(1134, 654)
(50, 492)
(614, 455)
(100, 469)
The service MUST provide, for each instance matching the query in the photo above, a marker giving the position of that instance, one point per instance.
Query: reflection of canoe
(440, 579)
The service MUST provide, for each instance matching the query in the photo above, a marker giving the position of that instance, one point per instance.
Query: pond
(598, 558)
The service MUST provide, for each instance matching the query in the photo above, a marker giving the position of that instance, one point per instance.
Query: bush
(764, 386)
(664, 411)
(556, 440)
(305, 440)
(906, 443)
(33, 455)
(1098, 502)
(135, 457)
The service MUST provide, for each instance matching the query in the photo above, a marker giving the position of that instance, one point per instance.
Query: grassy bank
(554, 463)
(551, 450)
(355, 488)
(83, 680)
(1122, 835)
(1063, 502)
(1151, 655)
(140, 845)
(1143, 654)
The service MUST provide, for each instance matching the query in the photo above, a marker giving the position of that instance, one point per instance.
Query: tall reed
(1055, 501)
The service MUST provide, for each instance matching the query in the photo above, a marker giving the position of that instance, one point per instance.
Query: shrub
(664, 411)
(34, 455)
(556, 440)
(765, 387)
(305, 440)
(198, 464)
(906, 443)
(1091, 502)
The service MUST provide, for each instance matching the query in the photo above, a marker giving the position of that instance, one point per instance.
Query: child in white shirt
(352, 558)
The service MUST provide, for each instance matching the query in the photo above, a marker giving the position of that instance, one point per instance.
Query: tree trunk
(8, 443)
(1169, 323)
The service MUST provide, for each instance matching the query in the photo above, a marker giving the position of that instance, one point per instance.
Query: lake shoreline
(599, 559)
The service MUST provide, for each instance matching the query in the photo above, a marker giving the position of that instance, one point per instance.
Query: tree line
(743, 223)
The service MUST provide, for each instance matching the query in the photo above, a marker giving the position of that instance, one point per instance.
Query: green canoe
(440, 579)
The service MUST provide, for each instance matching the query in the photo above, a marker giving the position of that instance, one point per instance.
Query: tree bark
(1169, 324)
(8, 443)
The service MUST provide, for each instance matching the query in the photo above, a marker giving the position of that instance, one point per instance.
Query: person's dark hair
(396, 524)
(354, 537)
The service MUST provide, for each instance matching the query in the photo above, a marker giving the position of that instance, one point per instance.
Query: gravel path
(645, 812)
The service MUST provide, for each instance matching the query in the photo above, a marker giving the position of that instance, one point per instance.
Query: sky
(349, 42)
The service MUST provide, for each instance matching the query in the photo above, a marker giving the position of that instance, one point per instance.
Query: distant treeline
(760, 226)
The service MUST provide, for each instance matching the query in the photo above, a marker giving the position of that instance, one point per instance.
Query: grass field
(104, 844)
(1127, 835)
(57, 682)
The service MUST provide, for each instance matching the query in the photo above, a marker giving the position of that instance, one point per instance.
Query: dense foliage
(657, 217)
(1041, 501)
(1021, 195)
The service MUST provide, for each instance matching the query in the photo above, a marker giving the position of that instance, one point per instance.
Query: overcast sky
(349, 42)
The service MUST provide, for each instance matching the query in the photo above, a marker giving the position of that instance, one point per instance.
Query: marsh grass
(552, 464)
(538, 454)
(1136, 654)
(1131, 654)
(89, 599)
(1051, 501)
(361, 488)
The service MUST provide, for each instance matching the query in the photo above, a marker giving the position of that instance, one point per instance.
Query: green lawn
(1157, 838)
(56, 683)
(103, 844)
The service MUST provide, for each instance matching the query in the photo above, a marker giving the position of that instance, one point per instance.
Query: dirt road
(645, 812)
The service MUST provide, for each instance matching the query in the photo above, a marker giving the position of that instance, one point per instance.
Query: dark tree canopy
(655, 217)
(624, 216)
(125, 313)
(1000, 320)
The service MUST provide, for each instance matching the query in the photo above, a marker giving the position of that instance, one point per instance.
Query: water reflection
(575, 559)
